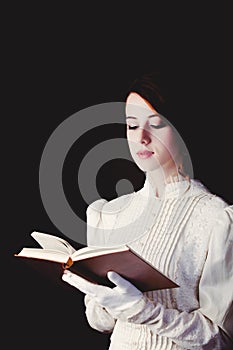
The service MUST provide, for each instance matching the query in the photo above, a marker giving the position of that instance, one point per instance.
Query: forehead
(136, 105)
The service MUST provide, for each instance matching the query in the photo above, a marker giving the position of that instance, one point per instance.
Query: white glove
(123, 301)
(97, 316)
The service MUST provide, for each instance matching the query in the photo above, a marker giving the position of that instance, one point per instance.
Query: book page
(48, 241)
(44, 254)
(88, 252)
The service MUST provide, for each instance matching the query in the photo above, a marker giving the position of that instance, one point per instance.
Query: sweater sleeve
(97, 316)
(211, 324)
(94, 220)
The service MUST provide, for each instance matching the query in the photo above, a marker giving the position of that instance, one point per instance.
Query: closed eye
(159, 126)
(132, 127)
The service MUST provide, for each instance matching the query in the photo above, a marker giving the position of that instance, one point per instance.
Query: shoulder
(224, 220)
(219, 214)
(209, 200)
(210, 208)
(229, 212)
(101, 216)
(112, 206)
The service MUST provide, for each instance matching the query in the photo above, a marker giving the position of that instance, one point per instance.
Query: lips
(144, 154)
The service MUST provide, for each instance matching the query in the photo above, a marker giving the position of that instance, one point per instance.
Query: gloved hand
(97, 316)
(123, 301)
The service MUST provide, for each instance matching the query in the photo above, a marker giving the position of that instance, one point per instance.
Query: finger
(79, 283)
(119, 281)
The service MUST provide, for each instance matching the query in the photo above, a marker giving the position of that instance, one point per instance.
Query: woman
(188, 235)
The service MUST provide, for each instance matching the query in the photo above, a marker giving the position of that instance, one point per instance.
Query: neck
(159, 179)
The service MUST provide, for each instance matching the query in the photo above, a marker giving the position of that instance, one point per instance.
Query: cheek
(131, 139)
(166, 142)
(131, 136)
(132, 146)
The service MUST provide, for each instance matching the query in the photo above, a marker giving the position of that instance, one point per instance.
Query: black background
(58, 60)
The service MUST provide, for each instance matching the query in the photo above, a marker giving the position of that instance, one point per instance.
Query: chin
(146, 165)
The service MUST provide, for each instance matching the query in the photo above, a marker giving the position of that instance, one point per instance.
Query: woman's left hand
(122, 301)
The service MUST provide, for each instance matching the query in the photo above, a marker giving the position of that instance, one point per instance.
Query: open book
(93, 263)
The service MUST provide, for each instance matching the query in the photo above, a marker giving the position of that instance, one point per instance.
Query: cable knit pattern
(188, 236)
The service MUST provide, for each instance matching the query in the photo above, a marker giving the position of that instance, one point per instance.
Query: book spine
(67, 264)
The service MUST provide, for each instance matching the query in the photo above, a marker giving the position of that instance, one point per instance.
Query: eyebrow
(150, 116)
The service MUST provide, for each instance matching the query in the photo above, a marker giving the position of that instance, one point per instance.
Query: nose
(145, 137)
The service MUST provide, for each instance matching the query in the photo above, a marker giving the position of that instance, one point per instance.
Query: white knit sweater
(188, 235)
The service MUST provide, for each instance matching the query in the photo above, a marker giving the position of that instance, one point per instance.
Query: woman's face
(151, 138)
